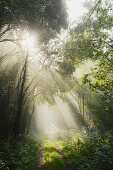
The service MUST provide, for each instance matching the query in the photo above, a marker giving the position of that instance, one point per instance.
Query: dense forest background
(44, 70)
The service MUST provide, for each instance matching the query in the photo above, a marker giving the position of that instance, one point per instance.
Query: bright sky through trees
(28, 42)
(75, 9)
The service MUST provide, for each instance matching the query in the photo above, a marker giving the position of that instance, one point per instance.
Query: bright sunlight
(28, 41)
(56, 85)
(75, 9)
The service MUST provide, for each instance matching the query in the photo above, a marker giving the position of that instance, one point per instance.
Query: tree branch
(7, 29)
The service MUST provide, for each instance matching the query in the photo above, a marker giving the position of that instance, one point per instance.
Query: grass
(51, 158)
(19, 155)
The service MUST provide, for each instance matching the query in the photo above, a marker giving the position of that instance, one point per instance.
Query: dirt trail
(38, 164)
(67, 164)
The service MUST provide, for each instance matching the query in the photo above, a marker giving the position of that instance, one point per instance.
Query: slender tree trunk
(17, 126)
(29, 120)
(83, 105)
(80, 105)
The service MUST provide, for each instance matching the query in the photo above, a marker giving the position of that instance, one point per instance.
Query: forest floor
(51, 157)
(80, 151)
(76, 152)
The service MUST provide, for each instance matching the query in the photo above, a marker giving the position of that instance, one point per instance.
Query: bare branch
(11, 40)
(7, 29)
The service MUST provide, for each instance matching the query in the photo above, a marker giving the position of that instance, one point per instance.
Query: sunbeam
(50, 120)
(28, 41)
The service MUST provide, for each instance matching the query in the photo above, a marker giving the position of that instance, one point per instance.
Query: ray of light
(52, 120)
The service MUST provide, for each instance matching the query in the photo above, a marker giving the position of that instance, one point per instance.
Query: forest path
(67, 163)
(38, 163)
(51, 157)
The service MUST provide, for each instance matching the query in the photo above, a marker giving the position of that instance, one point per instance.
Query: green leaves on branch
(36, 15)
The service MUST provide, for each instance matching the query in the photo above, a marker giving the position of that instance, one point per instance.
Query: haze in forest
(56, 84)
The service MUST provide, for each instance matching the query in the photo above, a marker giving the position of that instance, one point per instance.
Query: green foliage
(66, 68)
(91, 38)
(89, 151)
(100, 82)
(18, 155)
(98, 106)
(102, 79)
(45, 17)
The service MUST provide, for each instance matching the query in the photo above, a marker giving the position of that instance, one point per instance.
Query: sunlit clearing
(28, 42)
(75, 9)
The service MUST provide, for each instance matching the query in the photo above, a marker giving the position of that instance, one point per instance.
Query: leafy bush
(89, 151)
(18, 155)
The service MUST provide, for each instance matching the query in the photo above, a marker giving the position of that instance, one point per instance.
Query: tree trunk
(18, 119)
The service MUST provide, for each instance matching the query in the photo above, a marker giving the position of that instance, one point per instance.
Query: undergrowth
(89, 151)
(18, 155)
